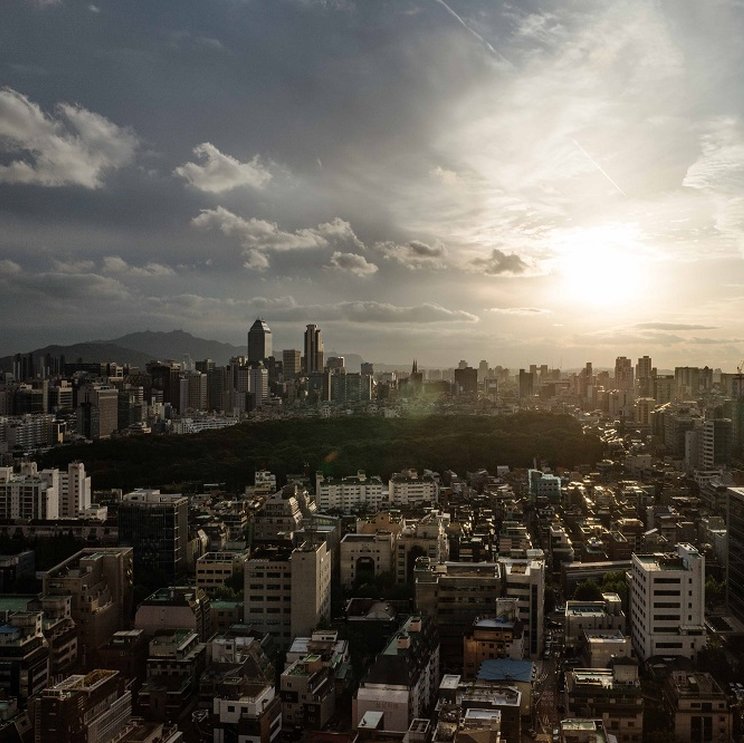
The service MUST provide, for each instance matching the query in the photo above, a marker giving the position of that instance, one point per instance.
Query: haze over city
(538, 181)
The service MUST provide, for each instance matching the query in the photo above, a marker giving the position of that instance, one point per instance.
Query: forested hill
(335, 446)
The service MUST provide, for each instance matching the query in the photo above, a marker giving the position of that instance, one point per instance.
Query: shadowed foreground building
(403, 681)
(156, 527)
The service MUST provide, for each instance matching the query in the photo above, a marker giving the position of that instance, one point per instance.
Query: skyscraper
(313, 349)
(291, 363)
(259, 342)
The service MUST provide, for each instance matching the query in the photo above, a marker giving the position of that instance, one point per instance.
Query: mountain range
(136, 349)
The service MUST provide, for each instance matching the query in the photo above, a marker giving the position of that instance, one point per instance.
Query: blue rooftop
(506, 669)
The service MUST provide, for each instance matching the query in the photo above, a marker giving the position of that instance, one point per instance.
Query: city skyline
(423, 180)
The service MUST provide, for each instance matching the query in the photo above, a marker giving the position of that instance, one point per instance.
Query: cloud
(56, 287)
(672, 326)
(414, 254)
(74, 147)
(72, 266)
(113, 264)
(524, 311)
(352, 263)
(285, 309)
(216, 172)
(8, 268)
(259, 237)
(500, 263)
(383, 312)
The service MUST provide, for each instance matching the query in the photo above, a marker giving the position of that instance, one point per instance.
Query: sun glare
(602, 266)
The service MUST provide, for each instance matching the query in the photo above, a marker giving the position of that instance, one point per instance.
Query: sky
(536, 181)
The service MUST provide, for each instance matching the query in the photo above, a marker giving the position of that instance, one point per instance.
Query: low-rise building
(697, 707)
(365, 556)
(606, 614)
(612, 695)
(308, 693)
(403, 680)
(214, 569)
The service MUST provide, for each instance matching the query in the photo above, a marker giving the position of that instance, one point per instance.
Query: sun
(603, 266)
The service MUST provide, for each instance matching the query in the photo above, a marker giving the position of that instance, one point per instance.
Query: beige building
(365, 555)
(99, 582)
(288, 591)
(697, 708)
(612, 695)
(214, 569)
(606, 614)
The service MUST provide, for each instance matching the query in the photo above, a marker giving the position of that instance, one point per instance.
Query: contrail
(598, 166)
(473, 32)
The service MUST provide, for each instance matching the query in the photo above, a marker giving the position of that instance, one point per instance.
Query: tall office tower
(74, 490)
(623, 373)
(735, 556)
(259, 383)
(97, 411)
(166, 377)
(482, 372)
(313, 349)
(526, 383)
(259, 342)
(291, 362)
(193, 392)
(156, 526)
(717, 442)
(644, 376)
(667, 603)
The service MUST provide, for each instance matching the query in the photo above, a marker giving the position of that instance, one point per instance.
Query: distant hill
(176, 343)
(137, 349)
(94, 351)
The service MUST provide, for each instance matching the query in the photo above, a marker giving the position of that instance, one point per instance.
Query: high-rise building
(644, 376)
(717, 442)
(623, 373)
(735, 558)
(259, 383)
(313, 349)
(291, 362)
(259, 342)
(667, 603)
(156, 526)
(97, 411)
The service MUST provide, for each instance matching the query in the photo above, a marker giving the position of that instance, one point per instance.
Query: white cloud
(259, 237)
(113, 264)
(72, 266)
(216, 172)
(352, 263)
(74, 147)
(523, 311)
(8, 268)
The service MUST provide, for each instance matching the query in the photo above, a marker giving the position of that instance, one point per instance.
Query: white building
(667, 603)
(408, 489)
(74, 490)
(349, 494)
(524, 580)
(30, 494)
